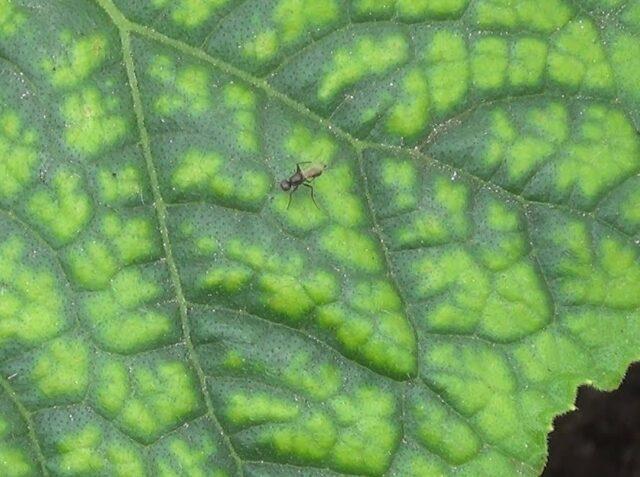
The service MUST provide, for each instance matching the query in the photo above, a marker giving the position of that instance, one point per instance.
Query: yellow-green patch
(400, 179)
(84, 56)
(14, 461)
(319, 381)
(65, 212)
(125, 460)
(125, 329)
(410, 113)
(259, 408)
(447, 69)
(424, 9)
(207, 173)
(189, 457)
(186, 88)
(120, 186)
(285, 295)
(310, 438)
(369, 56)
(79, 452)
(321, 286)
(135, 239)
(544, 16)
(369, 431)
(351, 247)
(11, 18)
(230, 278)
(18, 155)
(383, 340)
(337, 195)
(489, 62)
(263, 47)
(296, 17)
(163, 397)
(243, 102)
(306, 145)
(479, 384)
(112, 387)
(92, 265)
(527, 62)
(92, 122)
(444, 432)
(578, 59)
(190, 13)
(31, 308)
(605, 148)
(62, 370)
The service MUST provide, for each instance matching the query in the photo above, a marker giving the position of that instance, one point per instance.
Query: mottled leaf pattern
(473, 259)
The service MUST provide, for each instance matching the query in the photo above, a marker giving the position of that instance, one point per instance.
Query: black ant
(302, 177)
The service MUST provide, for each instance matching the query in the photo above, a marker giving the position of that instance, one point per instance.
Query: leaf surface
(473, 257)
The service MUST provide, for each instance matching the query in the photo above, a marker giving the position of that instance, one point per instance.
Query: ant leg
(313, 198)
(291, 196)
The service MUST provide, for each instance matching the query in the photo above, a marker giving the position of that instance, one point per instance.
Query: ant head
(285, 185)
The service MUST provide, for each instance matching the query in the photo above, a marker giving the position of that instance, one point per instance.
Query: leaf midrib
(124, 28)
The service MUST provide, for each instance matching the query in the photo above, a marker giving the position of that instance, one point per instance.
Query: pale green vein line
(161, 212)
(24, 413)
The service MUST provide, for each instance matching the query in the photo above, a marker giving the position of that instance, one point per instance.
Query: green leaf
(473, 258)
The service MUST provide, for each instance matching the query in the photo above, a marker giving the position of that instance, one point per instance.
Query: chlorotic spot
(92, 122)
(185, 89)
(259, 408)
(84, 56)
(577, 58)
(18, 154)
(447, 69)
(31, 308)
(242, 101)
(65, 213)
(207, 174)
(409, 115)
(11, 18)
(112, 389)
(444, 432)
(124, 459)
(427, 9)
(120, 187)
(135, 239)
(544, 16)
(292, 20)
(319, 381)
(62, 370)
(489, 62)
(162, 397)
(296, 17)
(527, 62)
(192, 458)
(286, 296)
(351, 247)
(369, 56)
(79, 453)
(190, 13)
(120, 322)
(92, 265)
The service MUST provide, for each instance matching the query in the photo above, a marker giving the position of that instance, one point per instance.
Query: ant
(302, 177)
